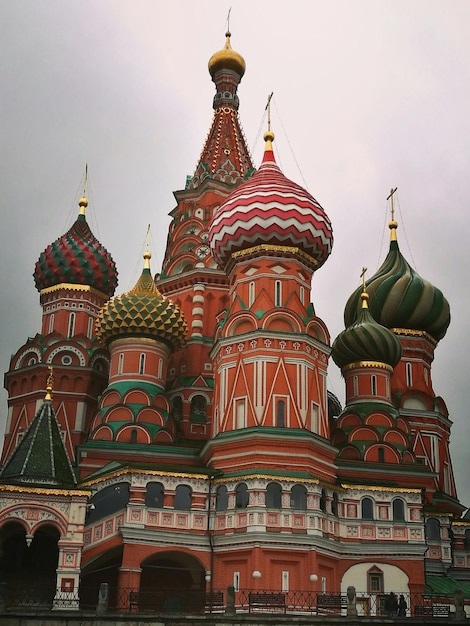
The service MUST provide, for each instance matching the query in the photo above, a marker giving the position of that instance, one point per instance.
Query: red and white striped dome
(270, 209)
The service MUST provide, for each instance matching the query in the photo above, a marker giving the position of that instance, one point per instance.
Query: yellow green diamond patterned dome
(142, 312)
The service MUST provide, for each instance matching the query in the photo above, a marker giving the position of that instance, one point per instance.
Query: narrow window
(142, 364)
(277, 293)
(90, 328)
(323, 584)
(134, 435)
(183, 497)
(314, 418)
(273, 496)
(121, 363)
(301, 295)
(373, 381)
(160, 368)
(323, 501)
(355, 386)
(154, 495)
(298, 498)
(240, 414)
(409, 375)
(433, 529)
(71, 324)
(381, 453)
(466, 543)
(251, 296)
(241, 496)
(285, 581)
(51, 323)
(334, 504)
(367, 509)
(281, 414)
(221, 498)
(398, 510)
(236, 581)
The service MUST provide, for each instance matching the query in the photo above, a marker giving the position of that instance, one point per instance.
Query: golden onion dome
(227, 58)
(142, 312)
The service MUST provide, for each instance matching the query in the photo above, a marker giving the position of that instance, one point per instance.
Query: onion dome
(77, 258)
(400, 298)
(227, 59)
(270, 209)
(142, 312)
(366, 340)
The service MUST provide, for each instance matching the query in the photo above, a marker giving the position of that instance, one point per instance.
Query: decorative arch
(380, 419)
(364, 434)
(163, 436)
(395, 437)
(119, 414)
(244, 322)
(103, 433)
(282, 321)
(110, 398)
(150, 416)
(136, 396)
(382, 454)
(133, 433)
(316, 328)
(349, 419)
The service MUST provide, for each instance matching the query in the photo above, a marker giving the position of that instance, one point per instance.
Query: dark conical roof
(40, 459)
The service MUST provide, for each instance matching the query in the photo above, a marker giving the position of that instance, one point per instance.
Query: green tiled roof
(40, 458)
(445, 586)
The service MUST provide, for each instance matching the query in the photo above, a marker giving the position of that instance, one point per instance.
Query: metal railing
(189, 602)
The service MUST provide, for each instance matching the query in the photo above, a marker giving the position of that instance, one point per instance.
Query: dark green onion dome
(142, 312)
(77, 258)
(366, 340)
(400, 298)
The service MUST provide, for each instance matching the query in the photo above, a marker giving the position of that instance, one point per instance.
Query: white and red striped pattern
(270, 209)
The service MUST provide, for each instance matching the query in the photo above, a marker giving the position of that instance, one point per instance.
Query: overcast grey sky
(368, 95)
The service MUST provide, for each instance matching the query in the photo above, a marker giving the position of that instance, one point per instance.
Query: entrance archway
(28, 565)
(172, 582)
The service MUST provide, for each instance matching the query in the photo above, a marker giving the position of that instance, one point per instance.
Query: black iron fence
(193, 601)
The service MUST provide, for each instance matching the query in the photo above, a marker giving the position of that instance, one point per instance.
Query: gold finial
(83, 202)
(364, 294)
(147, 255)
(269, 135)
(393, 225)
(49, 383)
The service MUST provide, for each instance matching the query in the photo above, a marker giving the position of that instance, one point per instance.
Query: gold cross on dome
(363, 276)
(390, 197)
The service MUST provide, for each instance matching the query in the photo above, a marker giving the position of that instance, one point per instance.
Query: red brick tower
(75, 275)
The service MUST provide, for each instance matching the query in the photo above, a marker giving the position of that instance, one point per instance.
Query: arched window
(133, 435)
(251, 295)
(280, 413)
(409, 374)
(334, 504)
(298, 498)
(323, 501)
(221, 498)
(367, 508)
(71, 325)
(278, 293)
(241, 496)
(273, 496)
(433, 529)
(381, 455)
(373, 385)
(142, 364)
(398, 510)
(198, 409)
(154, 495)
(183, 498)
(90, 328)
(177, 408)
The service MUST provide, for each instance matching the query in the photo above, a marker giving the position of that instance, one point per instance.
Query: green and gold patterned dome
(142, 312)
(366, 340)
(400, 299)
(77, 258)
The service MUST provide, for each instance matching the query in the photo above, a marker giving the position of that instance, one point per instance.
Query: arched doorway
(172, 582)
(103, 569)
(28, 565)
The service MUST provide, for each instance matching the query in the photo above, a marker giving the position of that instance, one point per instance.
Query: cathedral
(181, 435)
